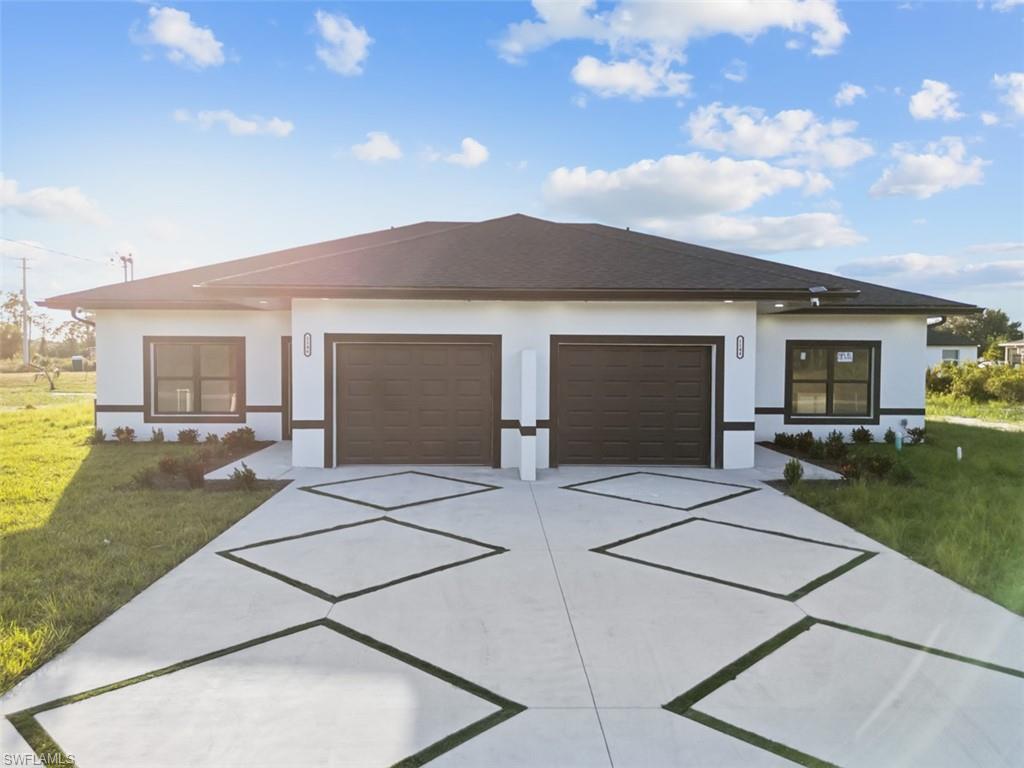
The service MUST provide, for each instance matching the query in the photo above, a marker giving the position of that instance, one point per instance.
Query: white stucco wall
(523, 325)
(902, 365)
(119, 353)
(933, 354)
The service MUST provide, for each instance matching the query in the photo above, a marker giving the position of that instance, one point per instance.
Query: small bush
(850, 470)
(785, 440)
(98, 436)
(158, 436)
(241, 439)
(188, 436)
(915, 435)
(146, 477)
(969, 380)
(879, 464)
(890, 436)
(124, 435)
(817, 450)
(243, 477)
(212, 438)
(804, 441)
(939, 380)
(862, 436)
(1005, 383)
(901, 474)
(793, 471)
(169, 465)
(193, 469)
(835, 446)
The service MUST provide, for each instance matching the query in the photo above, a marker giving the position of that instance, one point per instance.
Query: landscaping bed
(79, 536)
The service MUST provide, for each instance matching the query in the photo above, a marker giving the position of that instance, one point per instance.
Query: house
(512, 342)
(948, 347)
(1013, 352)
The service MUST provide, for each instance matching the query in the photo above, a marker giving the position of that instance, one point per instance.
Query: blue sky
(192, 133)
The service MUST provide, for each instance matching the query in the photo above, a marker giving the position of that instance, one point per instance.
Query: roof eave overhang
(91, 304)
(839, 309)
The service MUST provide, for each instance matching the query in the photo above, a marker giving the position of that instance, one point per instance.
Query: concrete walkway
(637, 617)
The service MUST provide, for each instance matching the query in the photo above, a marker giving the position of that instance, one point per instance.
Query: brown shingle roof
(510, 257)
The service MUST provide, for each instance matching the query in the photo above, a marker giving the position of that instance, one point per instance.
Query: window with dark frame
(831, 380)
(197, 378)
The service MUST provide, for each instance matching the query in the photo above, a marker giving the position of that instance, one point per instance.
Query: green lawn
(18, 390)
(76, 540)
(947, 405)
(962, 519)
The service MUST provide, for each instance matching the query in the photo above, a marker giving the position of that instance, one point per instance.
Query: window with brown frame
(195, 377)
(831, 380)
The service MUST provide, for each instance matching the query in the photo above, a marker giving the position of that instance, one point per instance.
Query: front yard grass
(77, 540)
(962, 519)
(18, 390)
(994, 410)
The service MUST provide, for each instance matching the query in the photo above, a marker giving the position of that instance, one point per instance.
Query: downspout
(74, 314)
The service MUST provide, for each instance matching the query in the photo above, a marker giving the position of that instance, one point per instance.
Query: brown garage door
(416, 402)
(627, 403)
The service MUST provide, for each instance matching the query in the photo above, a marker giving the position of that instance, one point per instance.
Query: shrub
(850, 470)
(785, 440)
(193, 469)
(243, 477)
(212, 438)
(915, 435)
(793, 471)
(835, 445)
(862, 436)
(146, 477)
(169, 465)
(98, 436)
(817, 449)
(124, 435)
(804, 441)
(188, 436)
(901, 474)
(878, 464)
(968, 381)
(158, 436)
(1005, 383)
(890, 436)
(240, 439)
(939, 380)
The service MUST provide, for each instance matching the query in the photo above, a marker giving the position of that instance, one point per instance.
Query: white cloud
(1012, 246)
(379, 146)
(345, 46)
(49, 202)
(579, 101)
(922, 270)
(989, 118)
(935, 100)
(1006, 5)
(235, 125)
(795, 134)
(848, 93)
(1012, 86)
(654, 36)
(473, 154)
(163, 229)
(736, 71)
(943, 165)
(633, 78)
(186, 42)
(689, 196)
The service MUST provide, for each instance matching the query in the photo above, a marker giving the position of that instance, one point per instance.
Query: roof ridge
(308, 259)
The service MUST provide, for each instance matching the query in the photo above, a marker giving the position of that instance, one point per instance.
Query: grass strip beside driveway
(963, 519)
(77, 540)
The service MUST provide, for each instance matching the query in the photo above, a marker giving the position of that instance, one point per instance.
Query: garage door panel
(415, 402)
(633, 403)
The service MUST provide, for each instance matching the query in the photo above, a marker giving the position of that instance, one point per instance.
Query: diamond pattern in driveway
(450, 634)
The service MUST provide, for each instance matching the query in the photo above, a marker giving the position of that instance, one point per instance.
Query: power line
(53, 250)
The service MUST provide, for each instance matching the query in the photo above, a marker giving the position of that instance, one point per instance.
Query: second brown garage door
(624, 403)
(417, 402)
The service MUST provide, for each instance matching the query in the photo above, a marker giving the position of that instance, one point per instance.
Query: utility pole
(26, 326)
(126, 262)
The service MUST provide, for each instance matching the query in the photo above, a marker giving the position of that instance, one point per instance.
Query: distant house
(1013, 352)
(948, 347)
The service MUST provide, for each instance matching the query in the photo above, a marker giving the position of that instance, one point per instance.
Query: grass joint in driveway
(743, 489)
(320, 490)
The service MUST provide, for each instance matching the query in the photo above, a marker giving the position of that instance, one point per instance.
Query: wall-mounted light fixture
(307, 344)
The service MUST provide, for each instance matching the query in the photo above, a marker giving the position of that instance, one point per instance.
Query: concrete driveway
(600, 616)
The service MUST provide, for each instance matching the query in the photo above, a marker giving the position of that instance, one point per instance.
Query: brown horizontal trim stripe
(119, 408)
(738, 426)
(901, 411)
(525, 431)
(263, 408)
(308, 424)
(769, 410)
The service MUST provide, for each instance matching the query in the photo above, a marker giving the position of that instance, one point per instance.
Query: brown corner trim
(738, 426)
(286, 387)
(525, 431)
(119, 408)
(308, 423)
